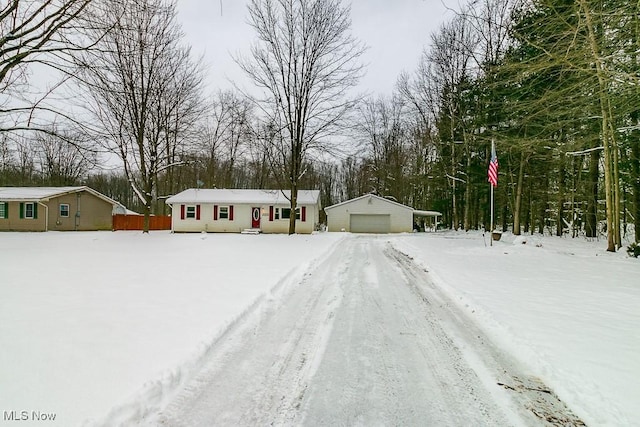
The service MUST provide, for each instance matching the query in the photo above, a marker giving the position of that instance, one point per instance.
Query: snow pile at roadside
(99, 327)
(565, 307)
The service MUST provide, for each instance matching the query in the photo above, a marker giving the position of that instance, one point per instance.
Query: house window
(29, 210)
(224, 212)
(4, 208)
(285, 213)
(190, 212)
(64, 210)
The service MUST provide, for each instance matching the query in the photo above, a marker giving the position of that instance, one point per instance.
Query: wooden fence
(136, 222)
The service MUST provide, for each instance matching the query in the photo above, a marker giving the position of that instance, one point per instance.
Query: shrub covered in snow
(527, 240)
(634, 250)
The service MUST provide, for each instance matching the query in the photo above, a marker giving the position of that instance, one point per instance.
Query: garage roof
(369, 196)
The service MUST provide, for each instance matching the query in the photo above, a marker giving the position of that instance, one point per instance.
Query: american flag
(493, 166)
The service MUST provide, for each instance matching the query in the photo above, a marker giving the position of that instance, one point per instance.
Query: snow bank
(100, 327)
(565, 307)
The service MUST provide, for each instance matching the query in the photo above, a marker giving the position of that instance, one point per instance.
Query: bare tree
(491, 21)
(451, 73)
(380, 126)
(304, 62)
(144, 90)
(36, 33)
(62, 162)
(224, 137)
(25, 165)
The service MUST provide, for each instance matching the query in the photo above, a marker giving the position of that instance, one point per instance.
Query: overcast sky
(394, 30)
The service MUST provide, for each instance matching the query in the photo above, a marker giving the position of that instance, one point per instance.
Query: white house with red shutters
(234, 211)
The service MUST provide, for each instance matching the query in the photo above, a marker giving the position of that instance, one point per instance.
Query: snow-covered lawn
(96, 327)
(565, 307)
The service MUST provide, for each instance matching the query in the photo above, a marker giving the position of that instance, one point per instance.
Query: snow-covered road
(364, 339)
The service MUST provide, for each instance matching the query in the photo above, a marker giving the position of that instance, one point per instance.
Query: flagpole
(492, 180)
(491, 225)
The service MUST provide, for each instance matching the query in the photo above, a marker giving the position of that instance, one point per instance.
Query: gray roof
(240, 196)
(368, 195)
(43, 194)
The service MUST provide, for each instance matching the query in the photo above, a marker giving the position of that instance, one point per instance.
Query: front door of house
(255, 217)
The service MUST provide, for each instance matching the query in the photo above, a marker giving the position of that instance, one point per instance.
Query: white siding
(241, 219)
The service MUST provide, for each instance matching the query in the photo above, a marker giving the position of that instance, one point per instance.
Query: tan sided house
(373, 214)
(236, 211)
(55, 208)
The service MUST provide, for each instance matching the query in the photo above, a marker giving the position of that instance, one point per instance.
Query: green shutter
(21, 210)
(6, 210)
(35, 210)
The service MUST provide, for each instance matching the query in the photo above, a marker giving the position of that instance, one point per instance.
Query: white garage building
(370, 214)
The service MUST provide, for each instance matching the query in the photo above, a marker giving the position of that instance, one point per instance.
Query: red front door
(255, 217)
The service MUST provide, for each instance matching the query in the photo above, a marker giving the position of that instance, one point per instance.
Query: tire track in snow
(259, 373)
(364, 339)
(388, 362)
(530, 400)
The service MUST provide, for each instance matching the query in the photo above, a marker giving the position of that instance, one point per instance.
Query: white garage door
(369, 223)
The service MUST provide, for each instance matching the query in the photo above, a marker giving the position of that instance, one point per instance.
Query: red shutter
(215, 212)
(181, 211)
(231, 213)
(303, 214)
(198, 212)
(270, 213)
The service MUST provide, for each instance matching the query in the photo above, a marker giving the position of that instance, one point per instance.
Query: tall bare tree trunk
(467, 207)
(467, 195)
(544, 204)
(635, 139)
(454, 205)
(527, 213)
(294, 202)
(591, 226)
(561, 198)
(607, 135)
(616, 178)
(518, 204)
(635, 179)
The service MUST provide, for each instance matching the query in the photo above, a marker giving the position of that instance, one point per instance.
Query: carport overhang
(428, 214)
